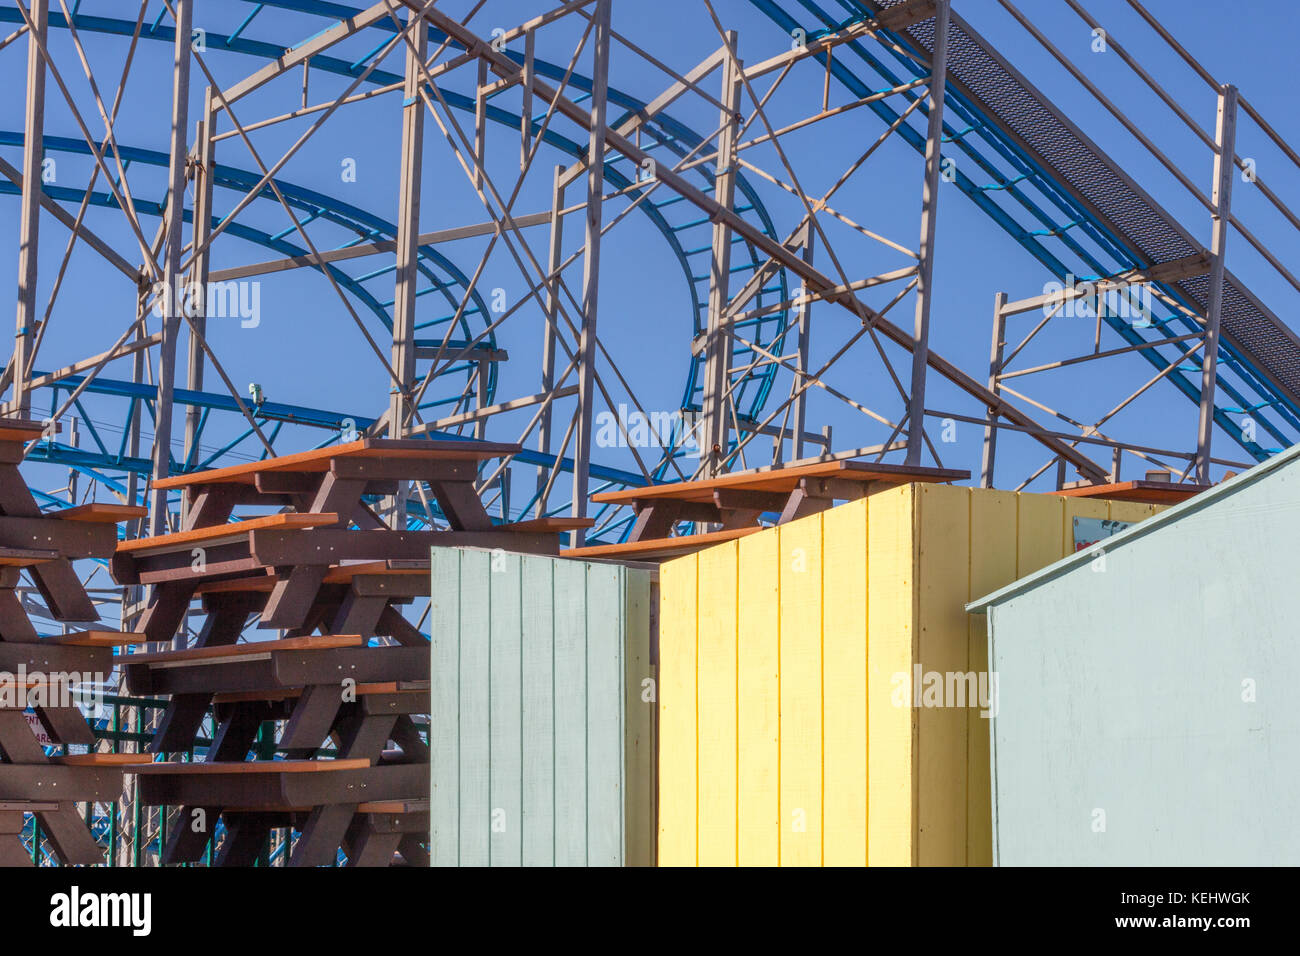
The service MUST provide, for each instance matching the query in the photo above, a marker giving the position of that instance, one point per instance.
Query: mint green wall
(1147, 706)
(542, 748)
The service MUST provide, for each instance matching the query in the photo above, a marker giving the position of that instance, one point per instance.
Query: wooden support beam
(814, 281)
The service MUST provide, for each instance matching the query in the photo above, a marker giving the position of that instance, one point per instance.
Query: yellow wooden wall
(781, 741)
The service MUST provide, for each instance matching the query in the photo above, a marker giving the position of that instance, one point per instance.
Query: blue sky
(307, 349)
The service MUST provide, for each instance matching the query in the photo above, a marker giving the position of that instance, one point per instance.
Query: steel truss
(794, 284)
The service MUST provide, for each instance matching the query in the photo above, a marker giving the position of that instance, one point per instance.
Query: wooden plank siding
(543, 712)
(788, 733)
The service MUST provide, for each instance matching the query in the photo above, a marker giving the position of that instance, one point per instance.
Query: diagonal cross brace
(813, 279)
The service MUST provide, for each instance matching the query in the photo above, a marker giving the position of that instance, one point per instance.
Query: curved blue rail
(687, 235)
(1068, 238)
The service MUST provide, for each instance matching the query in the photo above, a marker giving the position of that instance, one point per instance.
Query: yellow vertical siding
(788, 731)
(1041, 532)
(943, 641)
(716, 695)
(891, 720)
(678, 728)
(844, 683)
(758, 704)
(1130, 511)
(801, 683)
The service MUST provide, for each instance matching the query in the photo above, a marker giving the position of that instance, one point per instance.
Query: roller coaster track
(687, 235)
(1086, 217)
(1069, 186)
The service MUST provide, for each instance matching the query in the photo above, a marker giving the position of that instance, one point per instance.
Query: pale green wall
(1123, 687)
(542, 750)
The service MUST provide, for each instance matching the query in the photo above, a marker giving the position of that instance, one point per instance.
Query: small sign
(34, 722)
(1088, 531)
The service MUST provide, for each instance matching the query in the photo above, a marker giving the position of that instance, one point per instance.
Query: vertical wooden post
(929, 209)
(526, 109)
(995, 371)
(718, 349)
(804, 341)
(1225, 137)
(591, 264)
(205, 148)
(407, 271)
(172, 266)
(29, 218)
(481, 370)
(556, 256)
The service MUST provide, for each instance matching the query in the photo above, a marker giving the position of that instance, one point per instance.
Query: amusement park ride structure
(773, 265)
(949, 89)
